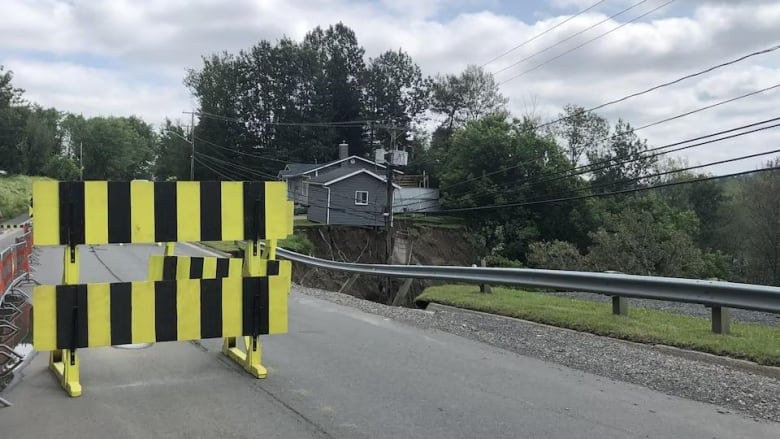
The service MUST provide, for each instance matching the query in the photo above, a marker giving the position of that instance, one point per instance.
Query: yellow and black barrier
(109, 314)
(163, 267)
(108, 212)
(243, 299)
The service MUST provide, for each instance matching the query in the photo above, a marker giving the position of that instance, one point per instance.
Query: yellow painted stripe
(155, 267)
(210, 268)
(188, 309)
(232, 210)
(231, 306)
(96, 217)
(188, 210)
(183, 267)
(234, 267)
(276, 210)
(46, 199)
(99, 314)
(44, 317)
(142, 211)
(142, 314)
(277, 302)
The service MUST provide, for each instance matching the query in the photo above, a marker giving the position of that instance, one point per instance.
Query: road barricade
(186, 298)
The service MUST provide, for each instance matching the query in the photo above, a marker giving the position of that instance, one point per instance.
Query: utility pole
(389, 203)
(81, 161)
(192, 144)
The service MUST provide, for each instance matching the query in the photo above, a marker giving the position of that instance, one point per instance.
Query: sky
(129, 57)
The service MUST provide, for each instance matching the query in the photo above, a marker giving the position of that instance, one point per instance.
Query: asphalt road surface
(339, 373)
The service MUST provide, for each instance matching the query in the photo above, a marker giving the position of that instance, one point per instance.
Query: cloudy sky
(123, 57)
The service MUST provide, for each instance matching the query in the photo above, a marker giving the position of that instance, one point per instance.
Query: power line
(202, 163)
(585, 43)
(672, 171)
(587, 169)
(238, 167)
(570, 37)
(543, 33)
(236, 151)
(606, 194)
(343, 124)
(672, 82)
(615, 136)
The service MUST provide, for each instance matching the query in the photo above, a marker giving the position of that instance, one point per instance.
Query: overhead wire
(558, 43)
(658, 122)
(598, 37)
(605, 194)
(540, 34)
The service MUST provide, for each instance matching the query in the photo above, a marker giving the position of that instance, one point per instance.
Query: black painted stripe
(196, 268)
(223, 267)
(272, 268)
(211, 308)
(165, 318)
(255, 306)
(210, 211)
(119, 229)
(71, 305)
(254, 210)
(165, 211)
(121, 313)
(71, 199)
(169, 267)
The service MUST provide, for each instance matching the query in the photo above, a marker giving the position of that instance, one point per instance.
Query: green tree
(172, 153)
(647, 237)
(620, 159)
(580, 132)
(556, 255)
(466, 97)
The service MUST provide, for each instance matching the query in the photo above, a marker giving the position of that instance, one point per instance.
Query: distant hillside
(15, 193)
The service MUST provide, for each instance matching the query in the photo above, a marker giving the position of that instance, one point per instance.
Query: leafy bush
(298, 244)
(555, 255)
(502, 262)
(15, 193)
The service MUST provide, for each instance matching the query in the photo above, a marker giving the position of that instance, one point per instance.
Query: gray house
(298, 174)
(348, 196)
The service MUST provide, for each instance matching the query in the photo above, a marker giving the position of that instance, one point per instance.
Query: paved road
(341, 373)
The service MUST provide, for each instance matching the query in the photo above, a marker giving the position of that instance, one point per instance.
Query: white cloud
(129, 57)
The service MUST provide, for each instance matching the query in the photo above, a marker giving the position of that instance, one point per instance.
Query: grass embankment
(747, 341)
(15, 193)
(296, 243)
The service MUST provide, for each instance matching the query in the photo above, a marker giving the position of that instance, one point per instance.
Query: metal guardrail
(714, 294)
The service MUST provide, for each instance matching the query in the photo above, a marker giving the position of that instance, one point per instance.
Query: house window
(361, 198)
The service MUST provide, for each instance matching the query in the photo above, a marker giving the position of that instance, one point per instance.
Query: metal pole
(81, 161)
(192, 144)
(389, 205)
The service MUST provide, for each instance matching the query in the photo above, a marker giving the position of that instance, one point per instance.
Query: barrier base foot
(248, 359)
(65, 366)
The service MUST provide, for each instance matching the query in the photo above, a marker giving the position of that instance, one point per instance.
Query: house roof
(297, 169)
(328, 178)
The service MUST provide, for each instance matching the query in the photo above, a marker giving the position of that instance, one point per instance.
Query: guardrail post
(721, 320)
(484, 288)
(619, 306)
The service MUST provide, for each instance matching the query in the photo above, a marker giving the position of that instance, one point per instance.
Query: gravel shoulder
(734, 389)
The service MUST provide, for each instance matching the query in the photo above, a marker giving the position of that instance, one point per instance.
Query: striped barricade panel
(100, 212)
(106, 314)
(192, 267)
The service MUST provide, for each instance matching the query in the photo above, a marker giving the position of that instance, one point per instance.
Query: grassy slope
(747, 341)
(15, 193)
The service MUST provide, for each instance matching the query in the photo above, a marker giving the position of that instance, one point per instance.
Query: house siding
(318, 207)
(342, 201)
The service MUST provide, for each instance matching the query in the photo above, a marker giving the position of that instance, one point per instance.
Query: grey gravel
(689, 309)
(735, 389)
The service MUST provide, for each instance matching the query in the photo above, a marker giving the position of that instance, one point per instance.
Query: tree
(172, 153)
(581, 132)
(467, 97)
(647, 237)
(494, 161)
(755, 227)
(395, 90)
(623, 157)
(555, 255)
